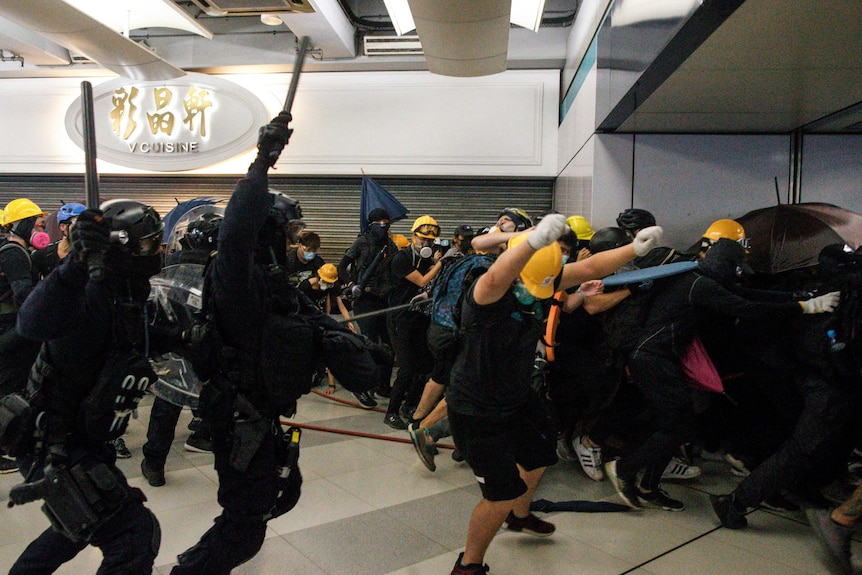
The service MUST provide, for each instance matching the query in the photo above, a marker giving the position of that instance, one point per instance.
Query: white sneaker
(590, 459)
(676, 469)
(565, 450)
(737, 466)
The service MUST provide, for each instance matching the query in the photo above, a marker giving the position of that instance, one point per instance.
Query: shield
(790, 236)
(177, 292)
(375, 196)
(181, 224)
(170, 218)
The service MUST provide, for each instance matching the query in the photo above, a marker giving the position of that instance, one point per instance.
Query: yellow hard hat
(328, 273)
(730, 229)
(581, 227)
(426, 227)
(20, 209)
(400, 240)
(1, 218)
(542, 269)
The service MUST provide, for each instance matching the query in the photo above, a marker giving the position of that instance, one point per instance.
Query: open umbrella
(790, 236)
(181, 208)
(375, 196)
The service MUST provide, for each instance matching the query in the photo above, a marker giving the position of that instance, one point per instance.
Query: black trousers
(374, 328)
(161, 430)
(659, 377)
(246, 498)
(410, 343)
(827, 415)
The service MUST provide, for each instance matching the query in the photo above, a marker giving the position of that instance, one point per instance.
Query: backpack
(448, 295)
(11, 246)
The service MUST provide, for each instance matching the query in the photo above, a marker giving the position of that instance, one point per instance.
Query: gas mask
(40, 240)
(425, 251)
(325, 285)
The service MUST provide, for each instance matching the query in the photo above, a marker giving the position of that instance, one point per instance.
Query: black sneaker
(154, 474)
(529, 524)
(395, 422)
(728, 511)
(120, 448)
(660, 499)
(8, 465)
(194, 424)
(365, 399)
(457, 456)
(471, 569)
(198, 443)
(626, 488)
(424, 446)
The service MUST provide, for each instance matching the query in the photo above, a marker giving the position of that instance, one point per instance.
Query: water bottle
(834, 344)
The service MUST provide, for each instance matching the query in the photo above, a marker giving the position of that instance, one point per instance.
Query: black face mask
(723, 260)
(379, 232)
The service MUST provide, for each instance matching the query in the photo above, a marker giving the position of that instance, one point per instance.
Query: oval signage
(182, 124)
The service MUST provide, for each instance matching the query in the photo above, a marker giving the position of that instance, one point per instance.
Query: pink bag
(699, 369)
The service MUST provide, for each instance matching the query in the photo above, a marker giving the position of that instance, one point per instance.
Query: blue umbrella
(374, 196)
(170, 219)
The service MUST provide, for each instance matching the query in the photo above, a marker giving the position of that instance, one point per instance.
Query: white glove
(821, 304)
(548, 231)
(647, 239)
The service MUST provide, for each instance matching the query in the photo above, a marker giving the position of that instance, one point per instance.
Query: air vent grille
(392, 46)
(251, 7)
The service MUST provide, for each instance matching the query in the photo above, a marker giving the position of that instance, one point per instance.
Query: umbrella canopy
(181, 208)
(790, 236)
(375, 196)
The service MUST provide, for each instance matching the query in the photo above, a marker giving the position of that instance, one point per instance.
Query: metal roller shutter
(330, 205)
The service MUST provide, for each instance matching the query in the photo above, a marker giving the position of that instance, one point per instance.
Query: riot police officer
(90, 314)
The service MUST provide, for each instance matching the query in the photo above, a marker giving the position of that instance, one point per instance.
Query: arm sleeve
(56, 302)
(709, 294)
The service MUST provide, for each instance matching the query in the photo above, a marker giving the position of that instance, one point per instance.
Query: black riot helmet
(202, 234)
(634, 219)
(139, 225)
(608, 239)
(283, 222)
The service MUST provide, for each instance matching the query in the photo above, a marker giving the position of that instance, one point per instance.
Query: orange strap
(553, 322)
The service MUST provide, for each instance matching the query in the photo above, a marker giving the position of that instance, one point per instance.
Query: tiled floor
(369, 507)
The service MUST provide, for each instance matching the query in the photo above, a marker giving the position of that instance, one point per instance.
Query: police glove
(352, 292)
(821, 304)
(550, 229)
(90, 236)
(647, 239)
(451, 255)
(273, 137)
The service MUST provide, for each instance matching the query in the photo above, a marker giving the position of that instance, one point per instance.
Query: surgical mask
(565, 259)
(523, 296)
(308, 256)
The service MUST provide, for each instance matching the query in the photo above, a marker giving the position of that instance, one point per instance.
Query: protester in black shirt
(302, 261)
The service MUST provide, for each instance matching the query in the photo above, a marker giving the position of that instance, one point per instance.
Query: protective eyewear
(151, 244)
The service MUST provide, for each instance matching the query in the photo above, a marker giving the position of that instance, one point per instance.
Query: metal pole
(91, 177)
(297, 69)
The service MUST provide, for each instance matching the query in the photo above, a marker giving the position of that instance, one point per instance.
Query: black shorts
(493, 447)
(444, 348)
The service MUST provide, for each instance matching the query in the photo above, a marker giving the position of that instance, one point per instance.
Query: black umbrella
(790, 236)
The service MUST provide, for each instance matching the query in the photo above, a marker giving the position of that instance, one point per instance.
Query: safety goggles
(151, 244)
(427, 231)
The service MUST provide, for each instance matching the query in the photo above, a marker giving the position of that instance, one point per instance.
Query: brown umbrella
(790, 236)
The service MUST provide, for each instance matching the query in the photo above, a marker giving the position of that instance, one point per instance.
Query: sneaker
(154, 474)
(121, 449)
(625, 488)
(728, 511)
(8, 465)
(471, 569)
(393, 421)
(737, 466)
(565, 450)
(660, 499)
(365, 399)
(834, 538)
(529, 524)
(677, 469)
(719, 455)
(198, 443)
(383, 392)
(421, 443)
(194, 424)
(457, 456)
(590, 459)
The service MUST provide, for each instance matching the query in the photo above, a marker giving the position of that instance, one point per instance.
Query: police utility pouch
(122, 383)
(17, 426)
(248, 435)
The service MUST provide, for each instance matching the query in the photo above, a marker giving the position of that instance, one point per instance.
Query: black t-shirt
(491, 376)
(299, 269)
(403, 290)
